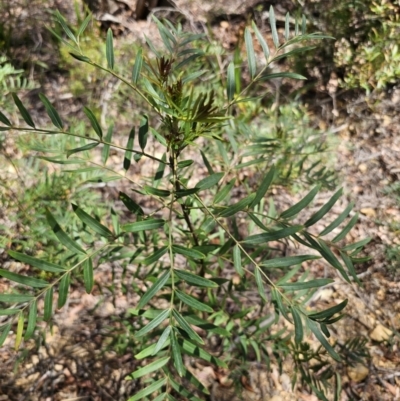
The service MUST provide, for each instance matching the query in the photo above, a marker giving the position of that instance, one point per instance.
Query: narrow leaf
(260, 284)
(326, 253)
(149, 224)
(288, 261)
(287, 26)
(251, 56)
(272, 236)
(321, 338)
(84, 25)
(64, 26)
(143, 132)
(306, 285)
(24, 280)
(20, 329)
(48, 304)
(93, 122)
(264, 186)
(194, 350)
(176, 353)
(30, 328)
(192, 279)
(153, 324)
(106, 148)
(51, 111)
(237, 207)
(4, 333)
(137, 67)
(110, 49)
(346, 229)
(162, 340)
(63, 290)
(298, 326)
(89, 146)
(88, 275)
(80, 57)
(131, 204)
(291, 75)
(5, 120)
(155, 257)
(91, 222)
(193, 302)
(63, 237)
(149, 389)
(188, 252)
(335, 223)
(8, 312)
(261, 41)
(225, 191)
(14, 298)
(277, 297)
(186, 327)
(237, 260)
(324, 209)
(154, 289)
(328, 313)
(298, 207)
(156, 191)
(350, 266)
(128, 151)
(151, 367)
(207, 163)
(38, 263)
(209, 181)
(24, 112)
(272, 22)
(231, 82)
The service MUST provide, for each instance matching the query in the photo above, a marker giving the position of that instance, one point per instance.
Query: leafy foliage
(189, 246)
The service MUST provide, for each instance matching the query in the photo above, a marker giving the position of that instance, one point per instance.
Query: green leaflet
(153, 324)
(192, 279)
(264, 186)
(149, 224)
(63, 290)
(298, 207)
(209, 181)
(25, 280)
(51, 111)
(193, 302)
(30, 328)
(24, 112)
(149, 389)
(62, 236)
(91, 222)
(137, 67)
(272, 236)
(128, 151)
(188, 252)
(237, 207)
(251, 56)
(88, 275)
(231, 82)
(149, 368)
(93, 121)
(110, 49)
(154, 289)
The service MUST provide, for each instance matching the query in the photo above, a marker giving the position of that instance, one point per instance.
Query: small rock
(380, 333)
(358, 372)
(368, 211)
